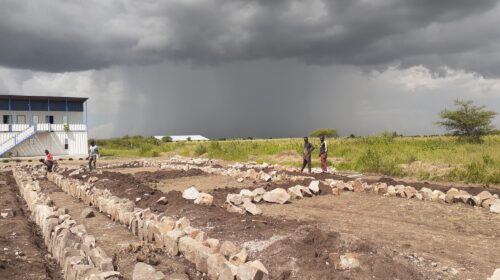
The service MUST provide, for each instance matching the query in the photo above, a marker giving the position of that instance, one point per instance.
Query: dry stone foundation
(69, 243)
(177, 236)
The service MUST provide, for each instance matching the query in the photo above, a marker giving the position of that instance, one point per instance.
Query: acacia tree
(468, 120)
(327, 132)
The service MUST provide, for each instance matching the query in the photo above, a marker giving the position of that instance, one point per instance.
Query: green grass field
(425, 158)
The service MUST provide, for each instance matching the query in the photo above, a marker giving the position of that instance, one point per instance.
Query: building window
(20, 119)
(35, 119)
(66, 145)
(6, 119)
(65, 119)
(49, 119)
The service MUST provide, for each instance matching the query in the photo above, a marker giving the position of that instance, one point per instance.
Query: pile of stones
(199, 198)
(484, 199)
(176, 236)
(69, 243)
(246, 199)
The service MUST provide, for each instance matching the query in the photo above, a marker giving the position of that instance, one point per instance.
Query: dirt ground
(23, 254)
(395, 238)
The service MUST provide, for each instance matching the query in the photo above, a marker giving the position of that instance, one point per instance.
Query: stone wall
(219, 260)
(69, 243)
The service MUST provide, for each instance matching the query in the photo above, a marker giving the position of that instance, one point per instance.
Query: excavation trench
(118, 242)
(23, 254)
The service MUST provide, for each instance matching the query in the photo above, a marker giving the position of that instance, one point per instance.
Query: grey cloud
(58, 36)
(273, 99)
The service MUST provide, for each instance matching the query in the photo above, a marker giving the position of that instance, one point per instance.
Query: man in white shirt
(93, 154)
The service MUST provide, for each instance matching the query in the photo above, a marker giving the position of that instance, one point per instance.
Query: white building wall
(54, 142)
(73, 117)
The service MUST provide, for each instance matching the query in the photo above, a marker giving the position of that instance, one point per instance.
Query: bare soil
(23, 254)
(290, 246)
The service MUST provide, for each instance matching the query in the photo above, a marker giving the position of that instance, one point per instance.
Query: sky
(254, 68)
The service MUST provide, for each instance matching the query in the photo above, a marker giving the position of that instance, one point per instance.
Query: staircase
(17, 140)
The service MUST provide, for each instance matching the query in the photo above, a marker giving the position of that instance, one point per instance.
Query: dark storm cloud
(57, 36)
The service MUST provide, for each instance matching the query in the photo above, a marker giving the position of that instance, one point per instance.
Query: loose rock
(162, 200)
(295, 192)
(258, 193)
(7, 213)
(231, 208)
(235, 199)
(87, 213)
(251, 208)
(344, 262)
(314, 186)
(496, 275)
(495, 207)
(144, 271)
(228, 248)
(204, 199)
(277, 195)
(190, 193)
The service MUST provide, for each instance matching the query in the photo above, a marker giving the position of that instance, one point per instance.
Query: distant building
(31, 124)
(177, 138)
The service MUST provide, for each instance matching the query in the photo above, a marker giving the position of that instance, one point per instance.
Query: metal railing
(17, 139)
(60, 127)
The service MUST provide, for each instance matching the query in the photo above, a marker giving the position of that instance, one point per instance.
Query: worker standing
(308, 148)
(323, 153)
(93, 154)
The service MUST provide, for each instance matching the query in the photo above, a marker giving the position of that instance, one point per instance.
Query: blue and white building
(31, 124)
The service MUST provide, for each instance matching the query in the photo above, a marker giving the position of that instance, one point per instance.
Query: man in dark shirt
(308, 148)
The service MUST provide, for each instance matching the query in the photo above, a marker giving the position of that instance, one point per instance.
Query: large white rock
(190, 193)
(231, 208)
(278, 195)
(144, 271)
(391, 191)
(496, 275)
(236, 199)
(495, 207)
(258, 193)
(295, 192)
(265, 177)
(484, 195)
(314, 186)
(245, 193)
(251, 208)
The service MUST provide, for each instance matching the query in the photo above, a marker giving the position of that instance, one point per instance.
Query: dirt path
(452, 236)
(23, 254)
(202, 183)
(118, 242)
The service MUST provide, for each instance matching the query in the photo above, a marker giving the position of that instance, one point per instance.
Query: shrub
(373, 161)
(145, 149)
(166, 139)
(200, 150)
